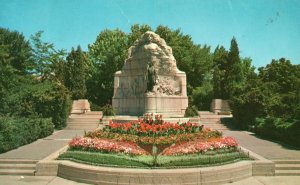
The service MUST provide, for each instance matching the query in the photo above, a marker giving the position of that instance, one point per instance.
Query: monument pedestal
(169, 106)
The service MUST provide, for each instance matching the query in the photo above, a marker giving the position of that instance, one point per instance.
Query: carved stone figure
(149, 80)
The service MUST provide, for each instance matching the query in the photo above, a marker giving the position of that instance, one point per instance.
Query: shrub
(15, 132)
(191, 111)
(279, 129)
(47, 99)
(108, 110)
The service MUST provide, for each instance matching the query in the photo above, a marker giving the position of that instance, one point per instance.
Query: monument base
(169, 106)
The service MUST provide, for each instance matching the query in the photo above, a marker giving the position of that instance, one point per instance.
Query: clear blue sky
(264, 29)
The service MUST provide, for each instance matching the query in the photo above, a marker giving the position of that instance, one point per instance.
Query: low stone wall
(106, 175)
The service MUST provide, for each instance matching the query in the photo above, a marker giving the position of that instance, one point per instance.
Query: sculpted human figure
(151, 77)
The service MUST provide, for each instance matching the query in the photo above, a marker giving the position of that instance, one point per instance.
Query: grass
(126, 161)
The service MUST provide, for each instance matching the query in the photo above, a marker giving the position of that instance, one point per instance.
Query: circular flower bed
(153, 137)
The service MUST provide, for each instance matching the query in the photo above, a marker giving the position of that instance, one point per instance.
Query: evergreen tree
(220, 65)
(76, 72)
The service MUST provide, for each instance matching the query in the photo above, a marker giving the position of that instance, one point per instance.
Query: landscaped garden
(152, 143)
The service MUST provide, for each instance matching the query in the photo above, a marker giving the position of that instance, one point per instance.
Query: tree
(17, 49)
(108, 54)
(47, 59)
(194, 60)
(136, 32)
(76, 71)
(220, 60)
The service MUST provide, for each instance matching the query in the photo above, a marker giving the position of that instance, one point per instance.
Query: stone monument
(150, 81)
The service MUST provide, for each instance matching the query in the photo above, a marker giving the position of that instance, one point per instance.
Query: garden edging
(108, 175)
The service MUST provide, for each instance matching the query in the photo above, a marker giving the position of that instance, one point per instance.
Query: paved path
(42, 147)
(265, 148)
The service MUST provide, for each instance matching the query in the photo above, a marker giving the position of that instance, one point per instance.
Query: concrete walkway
(268, 149)
(42, 147)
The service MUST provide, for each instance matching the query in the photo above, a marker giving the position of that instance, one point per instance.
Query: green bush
(108, 110)
(279, 129)
(15, 132)
(191, 111)
(46, 100)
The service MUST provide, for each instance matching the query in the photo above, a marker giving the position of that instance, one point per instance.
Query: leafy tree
(76, 71)
(108, 54)
(194, 60)
(136, 32)
(48, 60)
(285, 79)
(203, 95)
(17, 51)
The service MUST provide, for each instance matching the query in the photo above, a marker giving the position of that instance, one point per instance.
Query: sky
(264, 29)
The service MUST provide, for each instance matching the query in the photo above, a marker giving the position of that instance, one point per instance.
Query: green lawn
(120, 160)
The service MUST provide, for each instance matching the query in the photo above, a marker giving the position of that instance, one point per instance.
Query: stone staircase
(85, 121)
(17, 167)
(287, 167)
(211, 120)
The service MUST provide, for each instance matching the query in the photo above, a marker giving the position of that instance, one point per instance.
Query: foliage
(191, 111)
(279, 129)
(194, 60)
(202, 96)
(108, 110)
(76, 73)
(108, 54)
(47, 100)
(15, 132)
(16, 51)
(136, 32)
(48, 60)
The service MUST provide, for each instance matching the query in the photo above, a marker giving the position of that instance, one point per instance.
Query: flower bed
(159, 140)
(105, 146)
(155, 139)
(200, 147)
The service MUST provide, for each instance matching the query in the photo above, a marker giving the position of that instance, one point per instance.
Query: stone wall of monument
(149, 80)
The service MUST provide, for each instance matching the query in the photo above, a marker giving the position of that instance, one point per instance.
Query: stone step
(287, 166)
(81, 127)
(287, 172)
(205, 113)
(292, 161)
(18, 166)
(84, 116)
(210, 120)
(94, 113)
(17, 172)
(84, 119)
(83, 122)
(17, 161)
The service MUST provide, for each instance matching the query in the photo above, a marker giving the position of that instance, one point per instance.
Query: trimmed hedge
(15, 132)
